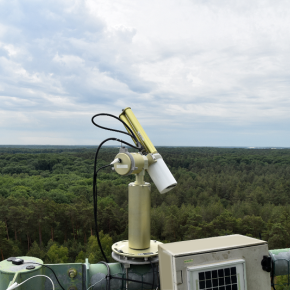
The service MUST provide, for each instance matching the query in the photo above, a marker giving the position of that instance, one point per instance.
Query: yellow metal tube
(135, 126)
(124, 119)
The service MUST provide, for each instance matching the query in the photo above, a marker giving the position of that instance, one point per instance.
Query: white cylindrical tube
(161, 175)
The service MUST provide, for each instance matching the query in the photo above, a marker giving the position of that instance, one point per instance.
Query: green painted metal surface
(115, 268)
(278, 251)
(62, 272)
(10, 273)
(80, 280)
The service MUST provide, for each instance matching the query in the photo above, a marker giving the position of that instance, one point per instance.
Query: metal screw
(72, 273)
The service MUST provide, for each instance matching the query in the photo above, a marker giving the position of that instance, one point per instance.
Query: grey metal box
(179, 262)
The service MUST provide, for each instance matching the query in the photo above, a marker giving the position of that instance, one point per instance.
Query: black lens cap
(30, 267)
(17, 261)
(11, 259)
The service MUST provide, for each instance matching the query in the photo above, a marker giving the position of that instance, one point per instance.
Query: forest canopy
(46, 198)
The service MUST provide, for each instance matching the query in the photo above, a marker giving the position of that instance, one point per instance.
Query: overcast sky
(194, 72)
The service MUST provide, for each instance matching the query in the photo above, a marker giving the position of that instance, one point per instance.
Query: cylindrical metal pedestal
(139, 215)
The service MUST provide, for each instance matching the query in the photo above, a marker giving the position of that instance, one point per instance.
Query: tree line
(46, 205)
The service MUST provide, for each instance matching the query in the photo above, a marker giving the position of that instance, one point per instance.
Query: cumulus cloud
(209, 72)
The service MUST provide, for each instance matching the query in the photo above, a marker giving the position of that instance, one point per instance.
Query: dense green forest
(46, 198)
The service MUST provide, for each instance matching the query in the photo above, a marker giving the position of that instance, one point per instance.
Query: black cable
(131, 280)
(272, 282)
(95, 210)
(48, 268)
(152, 266)
(108, 275)
(158, 279)
(126, 279)
(95, 188)
(272, 273)
(139, 147)
(108, 286)
(132, 135)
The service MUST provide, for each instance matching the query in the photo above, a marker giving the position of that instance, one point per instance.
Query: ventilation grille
(230, 275)
(221, 279)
